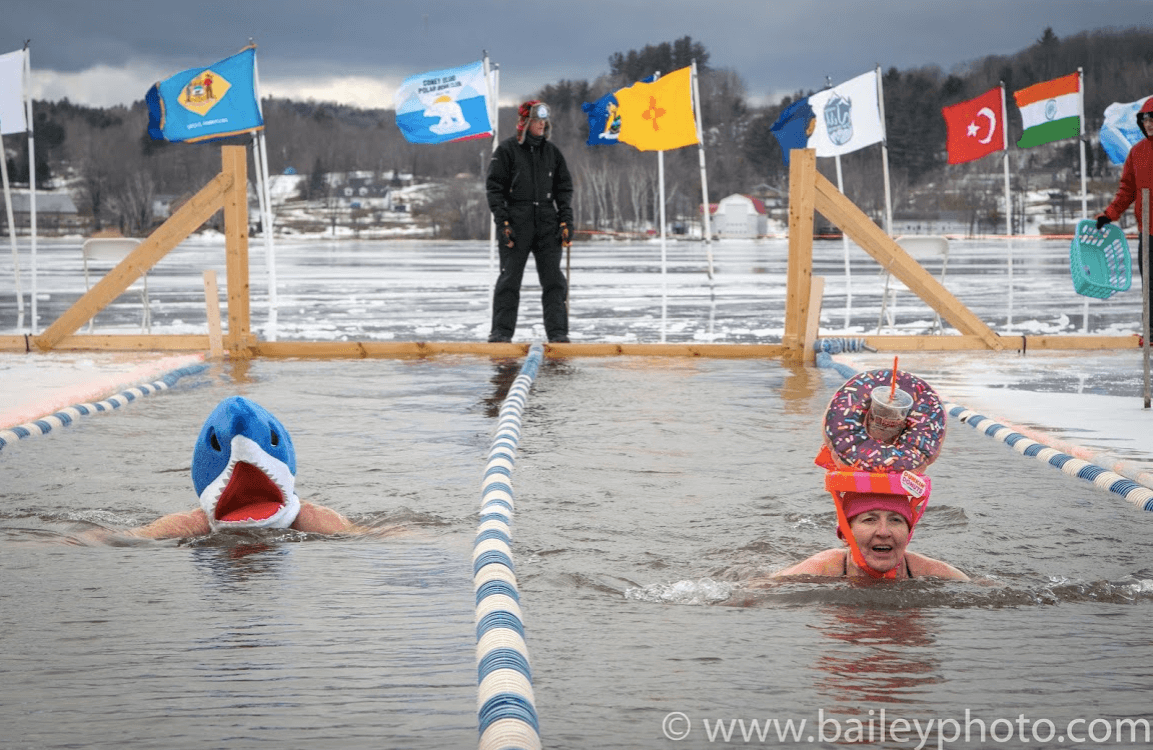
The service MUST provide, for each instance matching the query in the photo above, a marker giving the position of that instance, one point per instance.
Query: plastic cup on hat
(888, 409)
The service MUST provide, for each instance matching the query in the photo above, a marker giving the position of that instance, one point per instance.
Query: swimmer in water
(881, 526)
(244, 471)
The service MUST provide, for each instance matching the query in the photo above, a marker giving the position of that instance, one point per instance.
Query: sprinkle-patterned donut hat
(914, 449)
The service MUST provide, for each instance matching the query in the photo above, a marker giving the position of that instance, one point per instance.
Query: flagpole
(31, 175)
(492, 88)
(664, 264)
(704, 177)
(1084, 188)
(845, 244)
(260, 159)
(885, 156)
(1004, 145)
(12, 236)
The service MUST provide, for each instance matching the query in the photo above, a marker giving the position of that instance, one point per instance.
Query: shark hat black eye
(273, 437)
(213, 441)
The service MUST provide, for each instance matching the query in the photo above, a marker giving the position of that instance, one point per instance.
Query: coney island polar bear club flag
(444, 105)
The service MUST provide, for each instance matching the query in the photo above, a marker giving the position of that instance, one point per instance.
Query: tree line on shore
(116, 171)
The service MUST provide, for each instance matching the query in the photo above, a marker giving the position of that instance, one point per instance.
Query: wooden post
(167, 236)
(212, 308)
(813, 324)
(802, 174)
(235, 163)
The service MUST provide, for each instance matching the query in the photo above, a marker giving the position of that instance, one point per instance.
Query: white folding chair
(922, 248)
(110, 251)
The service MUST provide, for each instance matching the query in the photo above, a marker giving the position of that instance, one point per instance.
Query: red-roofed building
(739, 216)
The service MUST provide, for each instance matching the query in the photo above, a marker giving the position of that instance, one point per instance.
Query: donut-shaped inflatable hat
(917, 446)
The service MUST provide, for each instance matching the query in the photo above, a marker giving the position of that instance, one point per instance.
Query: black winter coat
(529, 186)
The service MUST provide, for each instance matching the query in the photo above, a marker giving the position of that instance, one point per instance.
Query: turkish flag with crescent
(974, 127)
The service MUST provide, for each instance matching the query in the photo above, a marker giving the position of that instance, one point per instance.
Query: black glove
(1102, 220)
(506, 232)
(564, 236)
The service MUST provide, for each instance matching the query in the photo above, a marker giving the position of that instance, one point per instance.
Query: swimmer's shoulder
(829, 563)
(927, 567)
(319, 519)
(175, 526)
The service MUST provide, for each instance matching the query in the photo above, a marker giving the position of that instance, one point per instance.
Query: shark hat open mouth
(249, 496)
(244, 467)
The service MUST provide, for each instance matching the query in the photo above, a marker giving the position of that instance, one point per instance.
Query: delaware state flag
(206, 103)
(974, 127)
(444, 105)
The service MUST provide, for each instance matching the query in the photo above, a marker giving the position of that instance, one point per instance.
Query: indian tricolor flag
(1050, 110)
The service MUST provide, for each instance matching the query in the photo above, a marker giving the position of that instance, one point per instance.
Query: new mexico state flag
(658, 116)
(1050, 110)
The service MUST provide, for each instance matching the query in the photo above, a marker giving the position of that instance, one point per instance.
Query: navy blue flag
(793, 128)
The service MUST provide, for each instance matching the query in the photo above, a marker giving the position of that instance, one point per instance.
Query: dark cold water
(652, 497)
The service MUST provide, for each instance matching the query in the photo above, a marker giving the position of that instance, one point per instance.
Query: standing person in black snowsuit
(530, 194)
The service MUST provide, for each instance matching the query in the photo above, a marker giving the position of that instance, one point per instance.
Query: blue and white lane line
(1132, 491)
(505, 705)
(68, 415)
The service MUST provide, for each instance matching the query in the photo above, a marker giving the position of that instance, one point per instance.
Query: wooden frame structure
(809, 191)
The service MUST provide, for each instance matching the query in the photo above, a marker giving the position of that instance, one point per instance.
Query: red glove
(564, 236)
(506, 230)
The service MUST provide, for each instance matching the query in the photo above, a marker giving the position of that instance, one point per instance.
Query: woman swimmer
(881, 525)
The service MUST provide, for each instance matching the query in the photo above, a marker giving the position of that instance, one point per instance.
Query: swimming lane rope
(66, 416)
(1133, 492)
(506, 708)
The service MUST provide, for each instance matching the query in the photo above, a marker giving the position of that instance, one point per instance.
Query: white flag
(12, 118)
(848, 117)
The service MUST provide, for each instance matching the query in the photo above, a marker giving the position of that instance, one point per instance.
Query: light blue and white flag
(444, 105)
(12, 113)
(1119, 130)
(206, 103)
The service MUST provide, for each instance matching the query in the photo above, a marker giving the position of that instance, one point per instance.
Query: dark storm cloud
(774, 47)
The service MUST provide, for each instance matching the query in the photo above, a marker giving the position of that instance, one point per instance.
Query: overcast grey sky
(105, 52)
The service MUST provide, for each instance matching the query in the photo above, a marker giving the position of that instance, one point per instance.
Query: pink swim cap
(863, 502)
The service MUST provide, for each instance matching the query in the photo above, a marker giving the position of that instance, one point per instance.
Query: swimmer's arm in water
(318, 519)
(175, 526)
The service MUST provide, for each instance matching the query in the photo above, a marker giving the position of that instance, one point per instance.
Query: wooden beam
(383, 350)
(167, 236)
(235, 164)
(802, 174)
(212, 311)
(387, 349)
(853, 222)
(813, 324)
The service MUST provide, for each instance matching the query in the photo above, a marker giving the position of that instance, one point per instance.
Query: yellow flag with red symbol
(658, 116)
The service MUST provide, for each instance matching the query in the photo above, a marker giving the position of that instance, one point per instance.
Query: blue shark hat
(244, 468)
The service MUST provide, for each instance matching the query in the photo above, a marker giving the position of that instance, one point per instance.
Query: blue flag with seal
(206, 103)
(604, 122)
(442, 106)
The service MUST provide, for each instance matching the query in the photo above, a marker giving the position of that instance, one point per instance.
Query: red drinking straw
(893, 388)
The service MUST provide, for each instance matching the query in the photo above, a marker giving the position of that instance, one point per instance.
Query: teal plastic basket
(1099, 260)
